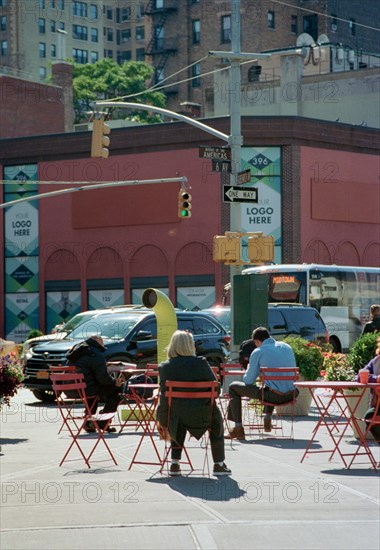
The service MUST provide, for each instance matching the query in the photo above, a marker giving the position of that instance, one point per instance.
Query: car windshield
(222, 315)
(76, 321)
(110, 327)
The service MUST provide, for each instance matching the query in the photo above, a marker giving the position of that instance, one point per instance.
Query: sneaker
(89, 427)
(175, 469)
(267, 424)
(221, 470)
(236, 433)
(111, 430)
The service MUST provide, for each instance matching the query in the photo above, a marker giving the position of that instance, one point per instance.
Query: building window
(41, 25)
(80, 56)
(352, 25)
(94, 35)
(159, 4)
(4, 47)
(3, 3)
(41, 4)
(61, 4)
(108, 53)
(124, 57)
(140, 10)
(109, 34)
(271, 20)
(140, 33)
(79, 32)
(80, 9)
(159, 37)
(42, 73)
(52, 25)
(294, 24)
(334, 22)
(52, 4)
(53, 50)
(109, 14)
(125, 36)
(94, 57)
(93, 12)
(196, 70)
(159, 75)
(62, 25)
(310, 25)
(42, 49)
(196, 31)
(140, 54)
(3, 23)
(226, 28)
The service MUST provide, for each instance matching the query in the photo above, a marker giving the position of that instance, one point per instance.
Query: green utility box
(250, 305)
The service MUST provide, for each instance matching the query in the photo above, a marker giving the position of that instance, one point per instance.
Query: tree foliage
(105, 79)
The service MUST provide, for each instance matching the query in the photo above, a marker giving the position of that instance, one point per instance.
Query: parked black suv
(283, 320)
(130, 336)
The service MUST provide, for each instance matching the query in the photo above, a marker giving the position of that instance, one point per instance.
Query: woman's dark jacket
(372, 326)
(194, 414)
(88, 358)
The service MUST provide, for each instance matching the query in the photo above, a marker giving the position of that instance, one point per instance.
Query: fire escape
(160, 47)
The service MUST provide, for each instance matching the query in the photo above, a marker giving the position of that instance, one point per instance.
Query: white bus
(342, 295)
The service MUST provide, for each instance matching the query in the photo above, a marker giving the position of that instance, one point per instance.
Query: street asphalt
(271, 501)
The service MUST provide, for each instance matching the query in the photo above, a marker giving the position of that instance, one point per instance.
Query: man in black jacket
(88, 358)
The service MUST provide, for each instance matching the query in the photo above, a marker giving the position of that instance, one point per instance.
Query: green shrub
(309, 357)
(34, 333)
(362, 351)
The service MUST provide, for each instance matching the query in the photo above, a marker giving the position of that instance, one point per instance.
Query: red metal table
(337, 412)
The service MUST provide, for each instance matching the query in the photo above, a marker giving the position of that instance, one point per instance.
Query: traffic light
(261, 249)
(184, 204)
(100, 140)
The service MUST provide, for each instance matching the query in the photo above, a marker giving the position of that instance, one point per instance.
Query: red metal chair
(65, 369)
(74, 382)
(190, 390)
(363, 447)
(228, 372)
(284, 374)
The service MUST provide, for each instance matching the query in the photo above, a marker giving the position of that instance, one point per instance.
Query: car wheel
(47, 396)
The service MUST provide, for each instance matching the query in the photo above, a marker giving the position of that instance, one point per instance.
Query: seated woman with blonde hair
(190, 415)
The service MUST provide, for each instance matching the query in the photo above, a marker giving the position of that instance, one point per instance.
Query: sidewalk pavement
(271, 501)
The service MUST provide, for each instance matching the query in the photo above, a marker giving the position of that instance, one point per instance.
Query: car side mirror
(143, 335)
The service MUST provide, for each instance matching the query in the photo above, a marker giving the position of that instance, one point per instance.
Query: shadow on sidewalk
(204, 488)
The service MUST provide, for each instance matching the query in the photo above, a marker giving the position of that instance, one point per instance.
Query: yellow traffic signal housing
(226, 249)
(100, 140)
(261, 249)
(184, 204)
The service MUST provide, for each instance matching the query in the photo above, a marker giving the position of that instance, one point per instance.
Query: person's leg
(237, 390)
(375, 429)
(177, 444)
(111, 397)
(276, 399)
(217, 436)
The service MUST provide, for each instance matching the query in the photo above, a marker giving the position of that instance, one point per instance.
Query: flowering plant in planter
(309, 357)
(11, 376)
(337, 367)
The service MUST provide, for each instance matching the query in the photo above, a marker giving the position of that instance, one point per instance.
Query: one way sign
(238, 194)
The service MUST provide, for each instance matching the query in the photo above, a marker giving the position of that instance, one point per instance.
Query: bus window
(284, 287)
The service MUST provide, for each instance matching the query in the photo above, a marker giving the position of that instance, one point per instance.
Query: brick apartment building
(175, 37)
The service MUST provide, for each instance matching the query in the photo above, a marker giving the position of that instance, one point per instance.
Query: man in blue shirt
(268, 353)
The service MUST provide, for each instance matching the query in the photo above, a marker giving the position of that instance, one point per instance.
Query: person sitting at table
(246, 348)
(88, 358)
(188, 415)
(373, 368)
(268, 353)
(373, 324)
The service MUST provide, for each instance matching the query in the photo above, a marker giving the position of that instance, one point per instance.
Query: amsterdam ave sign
(239, 194)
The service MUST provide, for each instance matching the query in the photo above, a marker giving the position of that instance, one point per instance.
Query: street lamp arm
(165, 112)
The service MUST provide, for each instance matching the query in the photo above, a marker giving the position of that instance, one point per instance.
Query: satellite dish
(304, 39)
(323, 39)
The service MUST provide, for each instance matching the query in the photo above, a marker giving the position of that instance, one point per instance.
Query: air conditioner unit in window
(334, 27)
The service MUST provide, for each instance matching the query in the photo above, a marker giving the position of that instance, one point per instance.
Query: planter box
(363, 407)
(302, 405)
